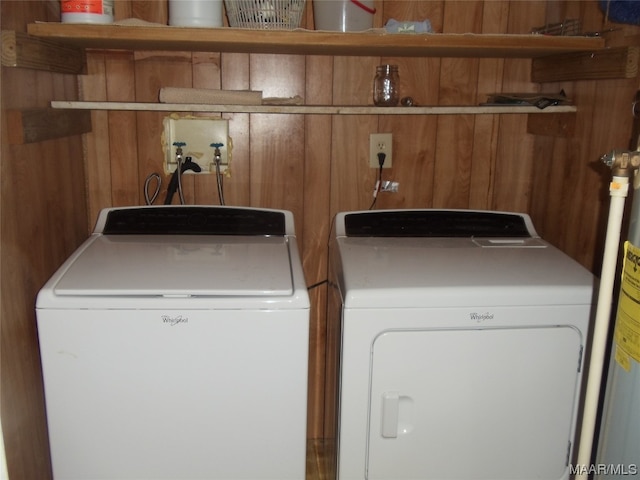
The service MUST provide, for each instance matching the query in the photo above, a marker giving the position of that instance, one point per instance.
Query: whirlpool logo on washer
(174, 320)
(481, 317)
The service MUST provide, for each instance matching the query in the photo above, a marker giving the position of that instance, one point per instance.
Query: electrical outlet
(197, 134)
(380, 143)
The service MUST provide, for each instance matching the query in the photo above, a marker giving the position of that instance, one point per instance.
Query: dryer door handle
(390, 405)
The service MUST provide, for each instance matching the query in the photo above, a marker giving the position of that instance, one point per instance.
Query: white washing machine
(456, 343)
(174, 345)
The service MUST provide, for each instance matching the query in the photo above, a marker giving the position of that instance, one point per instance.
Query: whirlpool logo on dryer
(481, 317)
(174, 320)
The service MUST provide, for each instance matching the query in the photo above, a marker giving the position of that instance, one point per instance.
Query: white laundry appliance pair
(456, 347)
(174, 345)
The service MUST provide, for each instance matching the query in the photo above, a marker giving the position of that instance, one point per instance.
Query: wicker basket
(265, 14)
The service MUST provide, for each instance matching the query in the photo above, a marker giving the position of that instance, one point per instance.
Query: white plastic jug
(86, 11)
(195, 13)
(343, 15)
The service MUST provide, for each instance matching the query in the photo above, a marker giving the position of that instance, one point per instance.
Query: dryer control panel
(437, 223)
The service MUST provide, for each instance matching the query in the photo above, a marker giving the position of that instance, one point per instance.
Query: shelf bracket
(22, 50)
(40, 124)
(618, 62)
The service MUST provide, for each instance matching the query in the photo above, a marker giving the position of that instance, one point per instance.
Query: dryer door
(493, 403)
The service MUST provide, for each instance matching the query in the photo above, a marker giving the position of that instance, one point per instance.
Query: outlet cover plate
(380, 142)
(198, 133)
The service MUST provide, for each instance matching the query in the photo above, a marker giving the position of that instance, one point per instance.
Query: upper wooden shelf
(308, 42)
(313, 109)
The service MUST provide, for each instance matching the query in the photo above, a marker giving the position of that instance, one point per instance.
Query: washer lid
(179, 265)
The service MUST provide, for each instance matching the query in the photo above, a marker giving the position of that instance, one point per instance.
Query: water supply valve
(216, 153)
(624, 163)
(179, 146)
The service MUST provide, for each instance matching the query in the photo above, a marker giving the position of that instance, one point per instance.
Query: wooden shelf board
(312, 109)
(309, 42)
(24, 51)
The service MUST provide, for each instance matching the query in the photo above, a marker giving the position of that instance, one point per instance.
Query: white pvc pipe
(618, 189)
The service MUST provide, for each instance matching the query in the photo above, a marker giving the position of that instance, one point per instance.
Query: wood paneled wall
(313, 165)
(43, 219)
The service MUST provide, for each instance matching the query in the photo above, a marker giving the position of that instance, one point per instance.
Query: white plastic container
(86, 11)
(343, 15)
(195, 13)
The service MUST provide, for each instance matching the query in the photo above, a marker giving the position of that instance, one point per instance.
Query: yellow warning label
(623, 359)
(627, 331)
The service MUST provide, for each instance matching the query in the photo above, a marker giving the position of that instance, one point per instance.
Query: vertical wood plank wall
(43, 219)
(313, 165)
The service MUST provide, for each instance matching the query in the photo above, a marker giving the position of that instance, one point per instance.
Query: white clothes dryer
(456, 342)
(174, 345)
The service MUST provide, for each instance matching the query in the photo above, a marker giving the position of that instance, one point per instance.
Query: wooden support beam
(619, 62)
(22, 50)
(39, 124)
(553, 125)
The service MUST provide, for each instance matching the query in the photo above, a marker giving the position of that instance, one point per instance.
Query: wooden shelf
(46, 40)
(308, 42)
(313, 109)
(21, 50)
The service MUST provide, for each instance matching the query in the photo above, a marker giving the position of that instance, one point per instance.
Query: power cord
(381, 158)
(318, 284)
